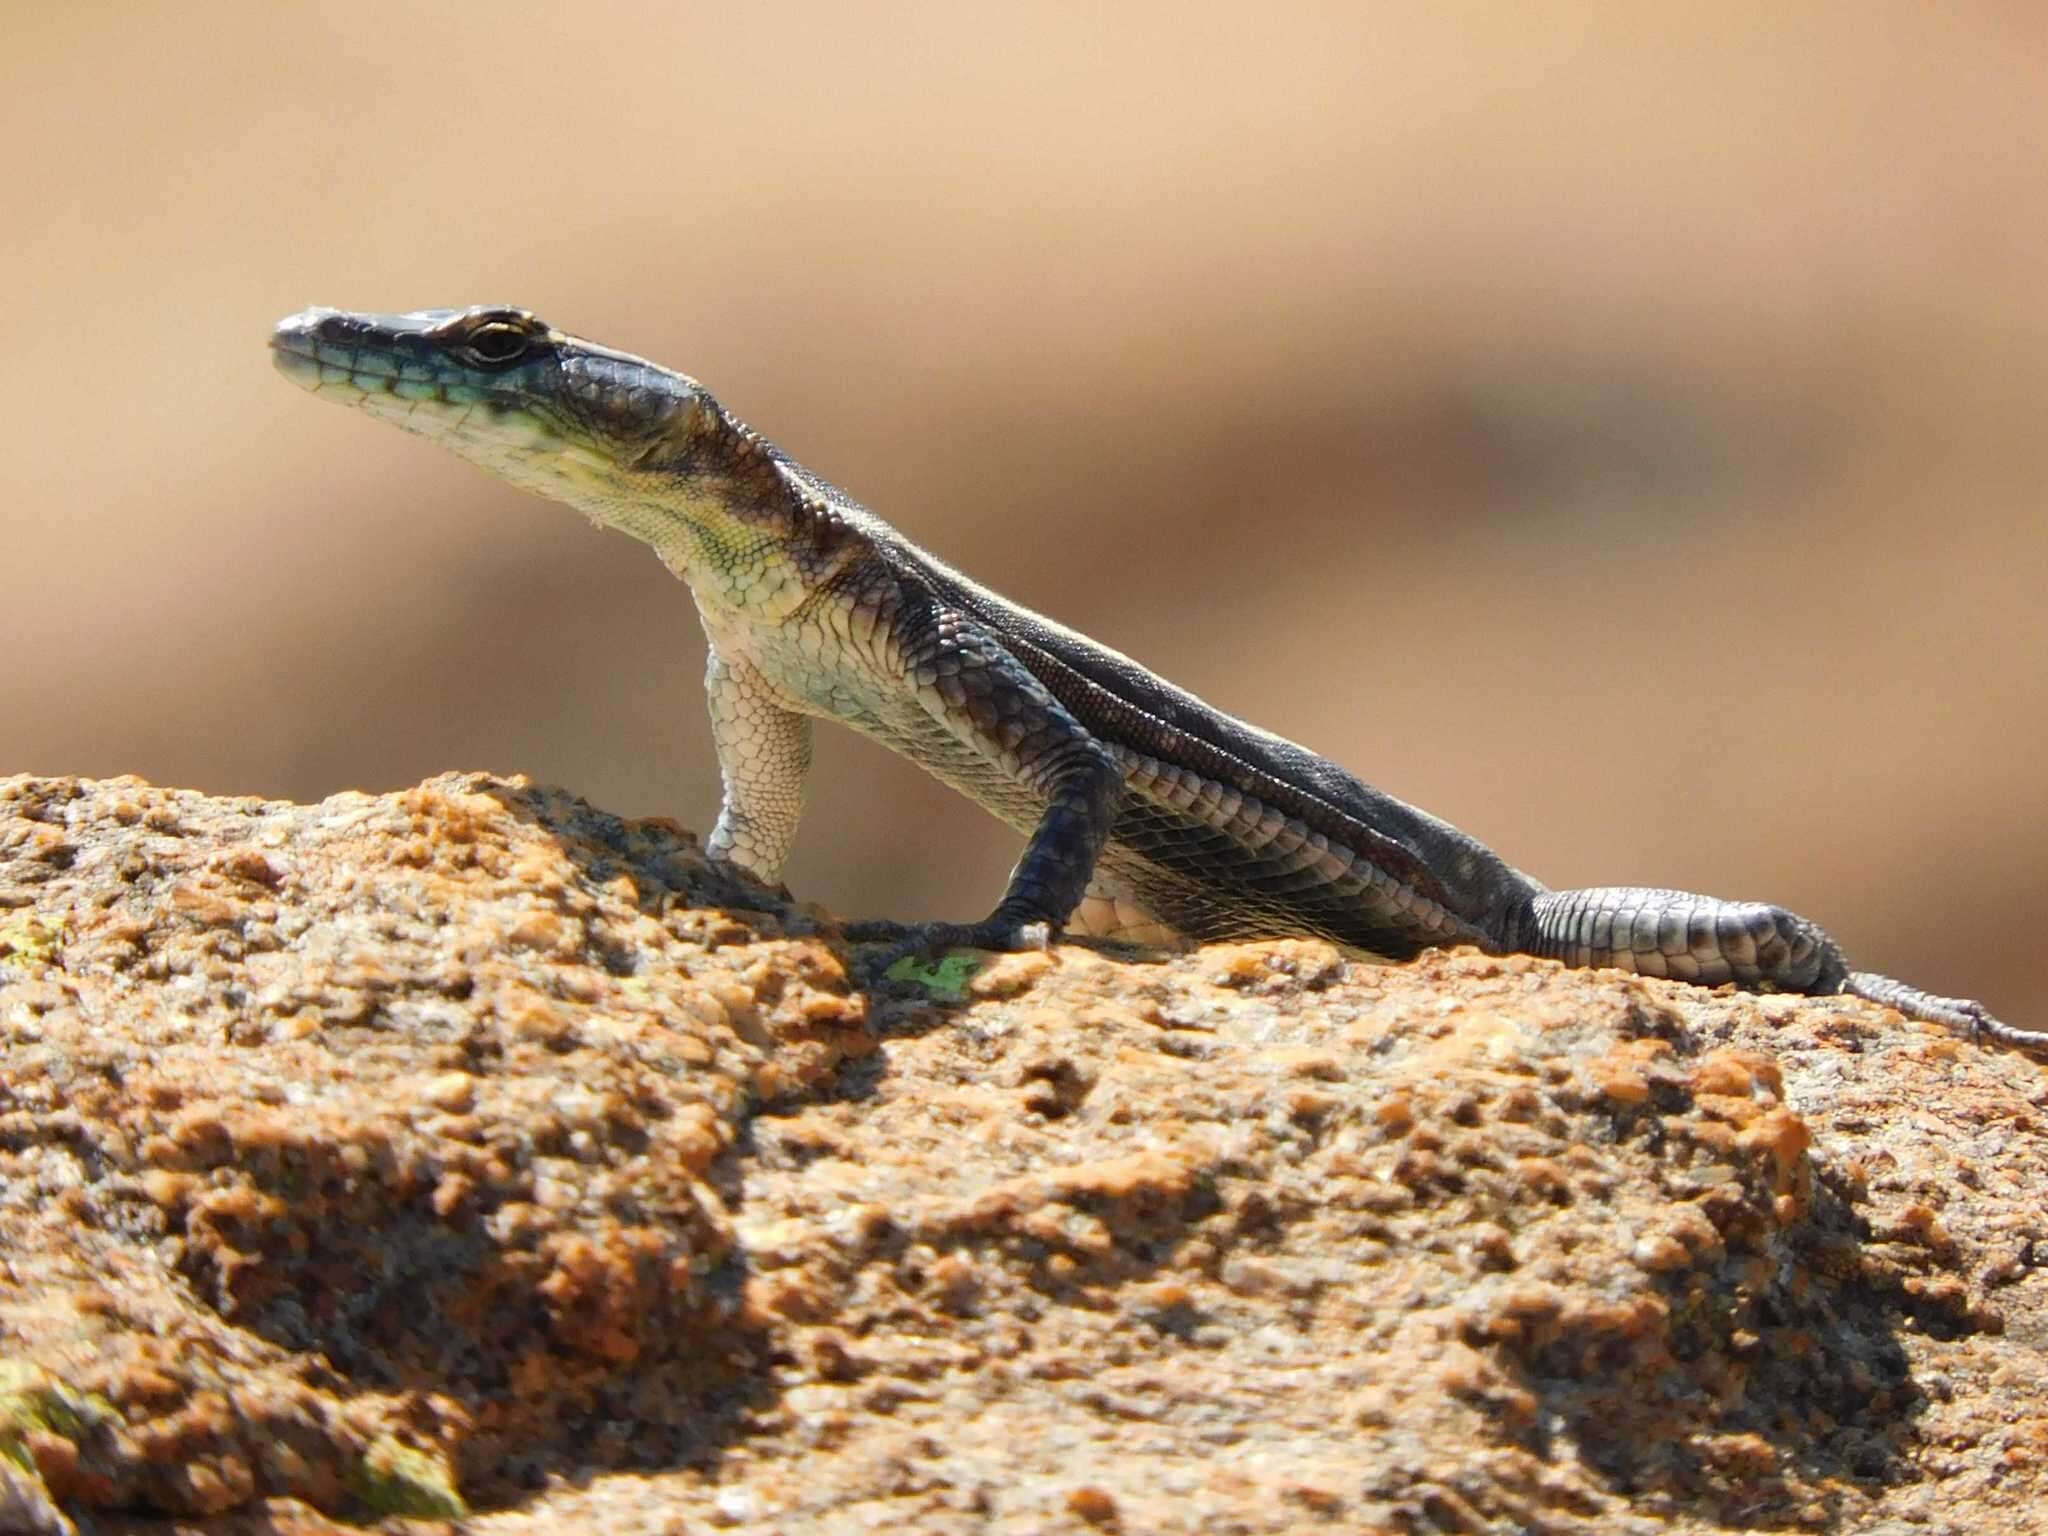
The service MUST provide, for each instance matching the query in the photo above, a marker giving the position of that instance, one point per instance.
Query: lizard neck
(743, 567)
(754, 545)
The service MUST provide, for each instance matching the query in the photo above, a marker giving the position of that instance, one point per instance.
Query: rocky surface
(468, 1154)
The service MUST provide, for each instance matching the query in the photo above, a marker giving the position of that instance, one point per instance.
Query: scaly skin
(1148, 814)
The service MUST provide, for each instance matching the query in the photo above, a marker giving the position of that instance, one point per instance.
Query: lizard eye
(495, 345)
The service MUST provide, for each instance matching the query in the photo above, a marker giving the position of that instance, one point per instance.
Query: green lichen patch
(29, 943)
(32, 1399)
(396, 1479)
(944, 980)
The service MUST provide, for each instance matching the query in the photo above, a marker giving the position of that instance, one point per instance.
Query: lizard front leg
(990, 702)
(1709, 941)
(764, 756)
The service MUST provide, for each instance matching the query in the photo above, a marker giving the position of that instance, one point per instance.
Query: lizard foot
(742, 883)
(906, 940)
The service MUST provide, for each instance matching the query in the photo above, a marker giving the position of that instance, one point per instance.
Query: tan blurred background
(1616, 429)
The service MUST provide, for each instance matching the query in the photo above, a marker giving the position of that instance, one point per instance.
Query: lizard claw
(906, 940)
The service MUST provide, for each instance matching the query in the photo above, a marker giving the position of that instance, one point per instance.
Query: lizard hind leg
(1686, 937)
(1709, 941)
(1109, 913)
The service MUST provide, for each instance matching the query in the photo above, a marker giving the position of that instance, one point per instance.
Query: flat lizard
(1148, 814)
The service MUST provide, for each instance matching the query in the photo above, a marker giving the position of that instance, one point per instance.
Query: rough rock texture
(469, 1149)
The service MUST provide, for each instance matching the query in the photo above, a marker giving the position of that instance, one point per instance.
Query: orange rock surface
(467, 1152)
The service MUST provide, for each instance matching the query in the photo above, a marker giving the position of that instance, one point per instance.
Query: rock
(469, 1150)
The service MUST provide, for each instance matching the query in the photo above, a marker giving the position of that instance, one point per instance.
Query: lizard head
(631, 444)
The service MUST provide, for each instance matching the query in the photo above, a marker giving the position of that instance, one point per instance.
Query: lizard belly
(953, 762)
(825, 671)
(1211, 862)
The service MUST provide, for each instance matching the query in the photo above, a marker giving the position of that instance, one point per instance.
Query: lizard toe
(908, 940)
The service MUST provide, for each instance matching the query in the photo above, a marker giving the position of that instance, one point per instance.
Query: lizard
(1149, 816)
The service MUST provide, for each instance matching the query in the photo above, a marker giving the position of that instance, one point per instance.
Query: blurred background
(1616, 429)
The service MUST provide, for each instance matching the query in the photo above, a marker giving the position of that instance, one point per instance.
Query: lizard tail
(1957, 1013)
